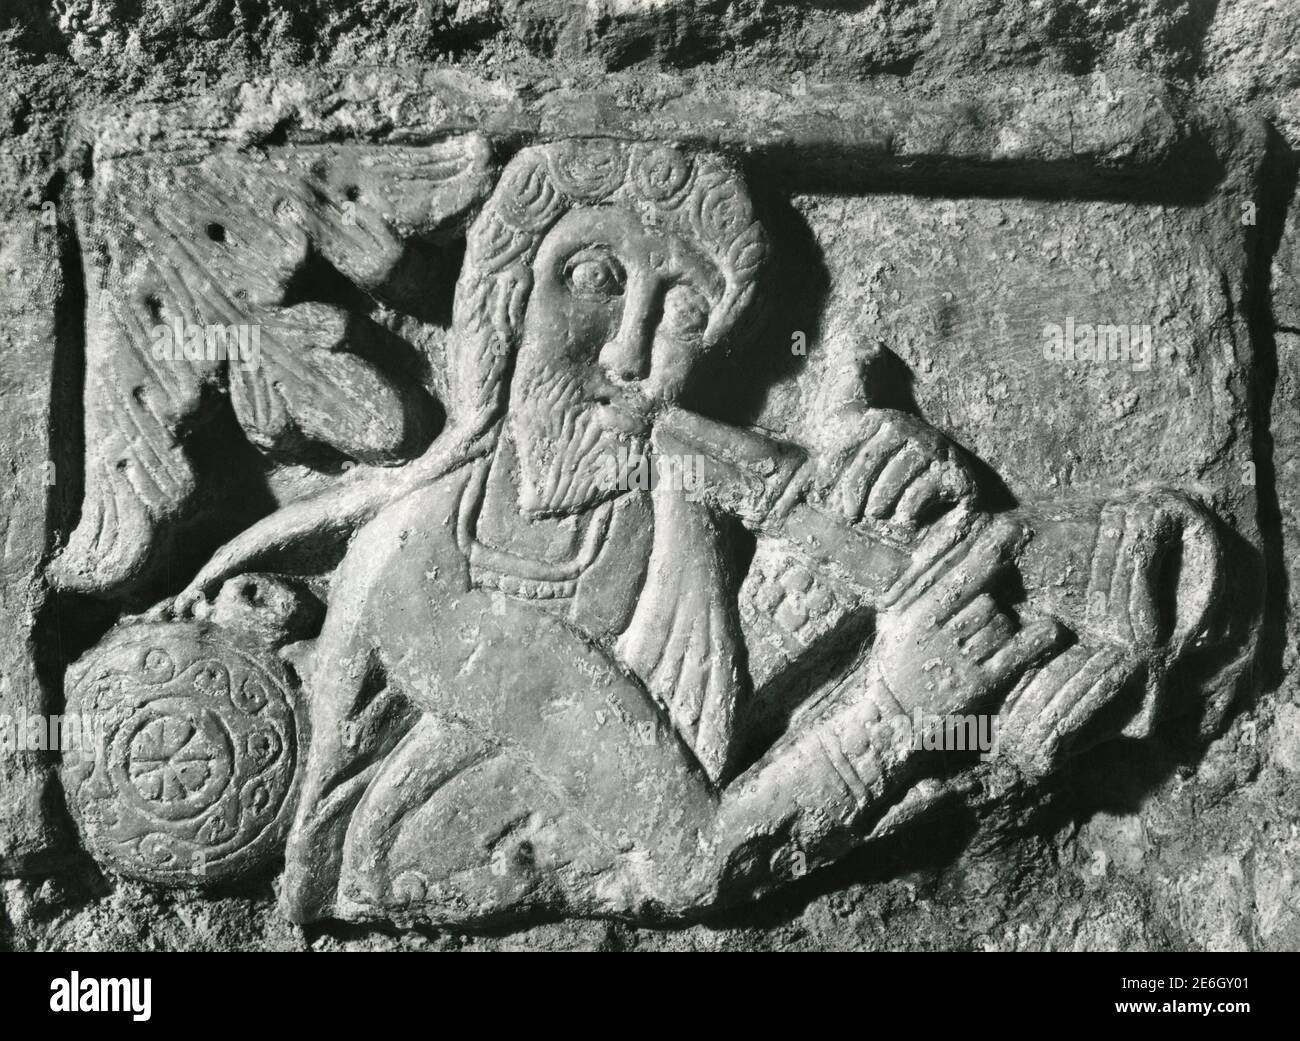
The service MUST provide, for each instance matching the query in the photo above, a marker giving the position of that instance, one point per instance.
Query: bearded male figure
(533, 689)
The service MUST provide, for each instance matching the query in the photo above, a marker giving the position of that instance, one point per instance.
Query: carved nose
(627, 356)
(625, 360)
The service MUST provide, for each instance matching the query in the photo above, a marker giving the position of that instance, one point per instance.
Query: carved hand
(945, 645)
(773, 487)
(890, 468)
(1064, 708)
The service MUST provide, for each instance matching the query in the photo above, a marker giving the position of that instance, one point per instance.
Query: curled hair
(700, 197)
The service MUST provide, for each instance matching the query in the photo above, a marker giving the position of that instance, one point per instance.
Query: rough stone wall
(1182, 845)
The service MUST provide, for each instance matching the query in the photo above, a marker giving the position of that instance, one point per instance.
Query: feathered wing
(216, 245)
(138, 477)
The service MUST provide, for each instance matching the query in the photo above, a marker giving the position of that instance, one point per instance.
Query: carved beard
(568, 459)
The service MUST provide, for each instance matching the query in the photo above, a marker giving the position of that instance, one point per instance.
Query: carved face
(614, 327)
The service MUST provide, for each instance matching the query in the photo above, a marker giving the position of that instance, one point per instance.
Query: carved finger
(973, 574)
(1025, 702)
(893, 482)
(958, 482)
(990, 639)
(859, 477)
(1123, 573)
(1026, 648)
(923, 495)
(941, 547)
(974, 616)
(1105, 563)
(1113, 671)
(943, 483)
(1097, 676)
(1143, 548)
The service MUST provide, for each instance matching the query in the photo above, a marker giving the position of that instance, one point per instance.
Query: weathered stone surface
(31, 832)
(956, 337)
(191, 772)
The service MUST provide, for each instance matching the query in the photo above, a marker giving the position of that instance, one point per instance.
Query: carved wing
(216, 246)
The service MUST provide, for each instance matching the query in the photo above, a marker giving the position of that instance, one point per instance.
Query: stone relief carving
(577, 646)
(200, 752)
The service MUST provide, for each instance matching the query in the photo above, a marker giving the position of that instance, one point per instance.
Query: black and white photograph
(651, 476)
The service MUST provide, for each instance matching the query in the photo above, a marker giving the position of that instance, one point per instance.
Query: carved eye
(686, 313)
(595, 275)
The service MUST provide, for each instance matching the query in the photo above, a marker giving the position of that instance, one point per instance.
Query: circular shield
(196, 742)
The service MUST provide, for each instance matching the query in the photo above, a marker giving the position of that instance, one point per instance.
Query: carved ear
(213, 246)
